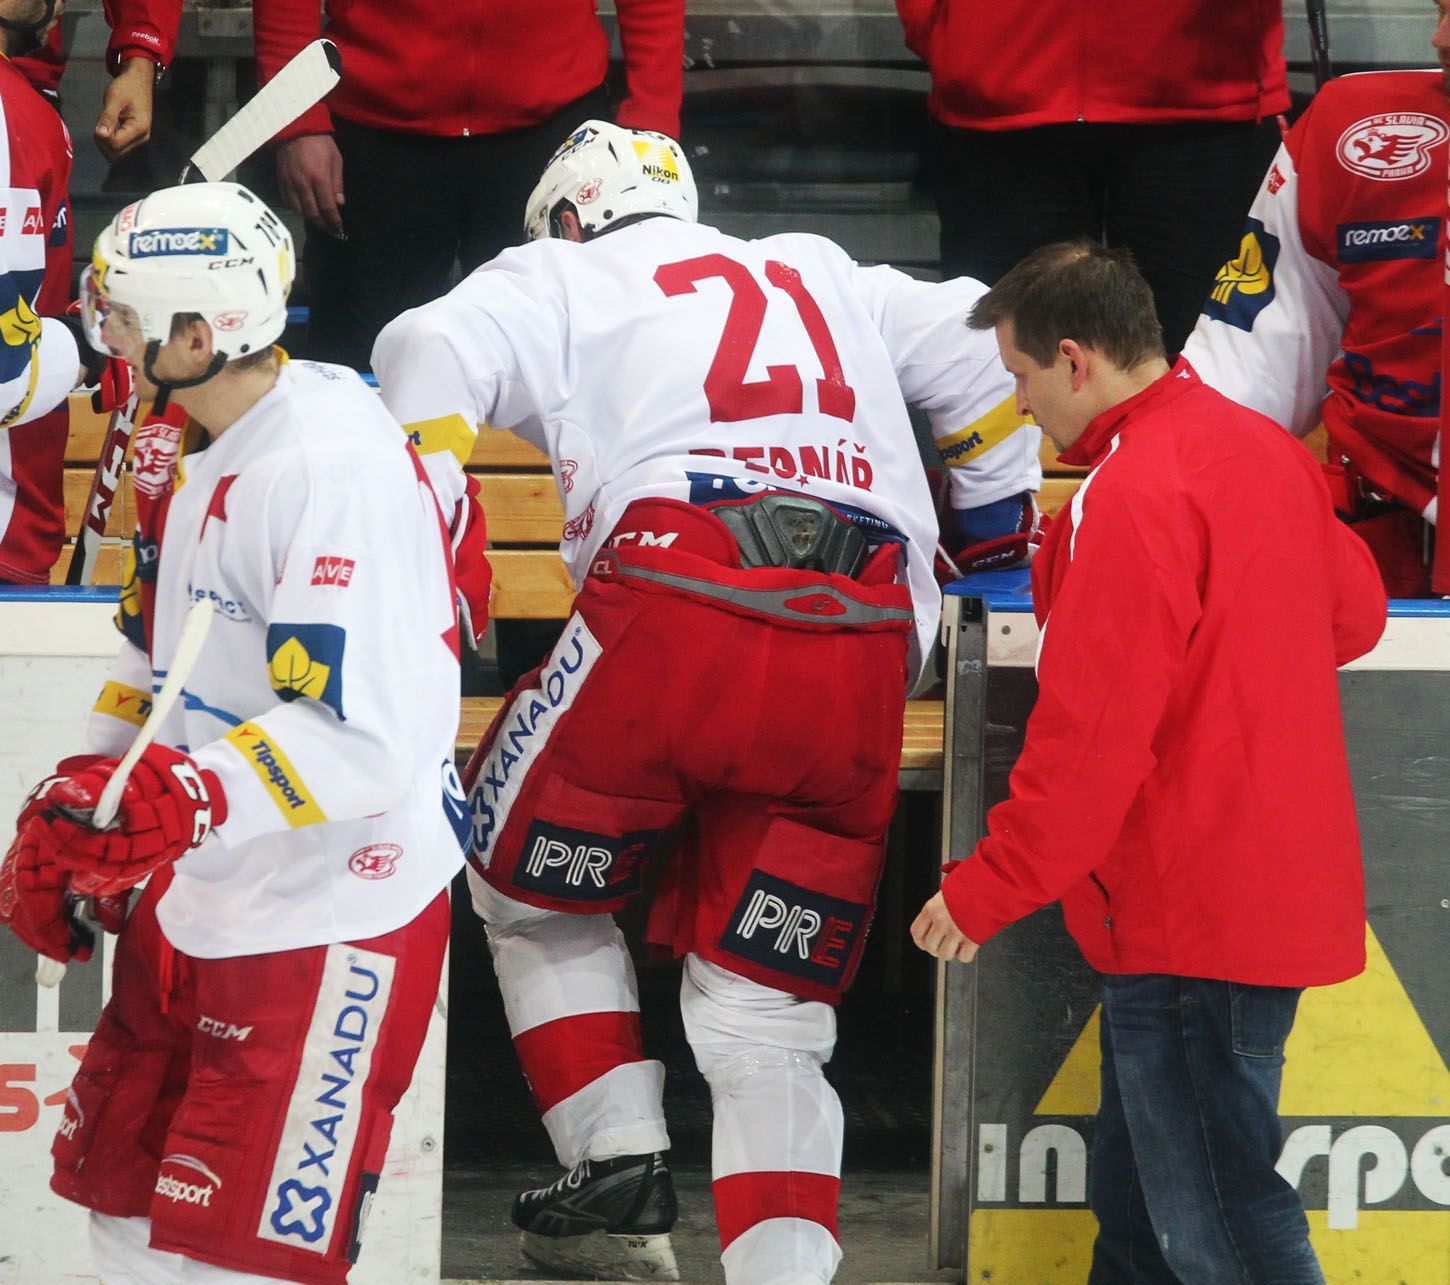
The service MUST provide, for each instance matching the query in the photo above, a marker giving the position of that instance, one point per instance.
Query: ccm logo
(222, 1030)
(337, 571)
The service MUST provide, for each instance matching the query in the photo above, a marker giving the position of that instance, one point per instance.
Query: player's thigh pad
(771, 897)
(120, 1104)
(570, 787)
(300, 1057)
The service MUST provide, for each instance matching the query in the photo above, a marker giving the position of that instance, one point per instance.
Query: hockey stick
(1319, 42)
(48, 972)
(305, 80)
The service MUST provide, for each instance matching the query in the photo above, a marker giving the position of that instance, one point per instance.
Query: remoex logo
(335, 571)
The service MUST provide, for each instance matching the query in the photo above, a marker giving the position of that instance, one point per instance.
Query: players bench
(529, 579)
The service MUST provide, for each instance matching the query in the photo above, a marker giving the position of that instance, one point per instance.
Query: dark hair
(1076, 290)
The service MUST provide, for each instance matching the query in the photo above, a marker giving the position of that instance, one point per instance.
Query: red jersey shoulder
(1380, 126)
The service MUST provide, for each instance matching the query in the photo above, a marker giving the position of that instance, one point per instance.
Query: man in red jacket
(1147, 123)
(430, 146)
(1183, 788)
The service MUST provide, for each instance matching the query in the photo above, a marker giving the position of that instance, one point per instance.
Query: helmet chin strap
(165, 387)
(34, 30)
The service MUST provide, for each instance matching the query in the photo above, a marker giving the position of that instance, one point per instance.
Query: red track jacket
(478, 66)
(997, 65)
(1184, 788)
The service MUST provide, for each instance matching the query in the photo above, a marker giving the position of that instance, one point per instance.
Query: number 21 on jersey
(782, 392)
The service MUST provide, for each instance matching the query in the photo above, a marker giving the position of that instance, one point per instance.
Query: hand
(309, 176)
(125, 119)
(471, 571)
(168, 807)
(936, 932)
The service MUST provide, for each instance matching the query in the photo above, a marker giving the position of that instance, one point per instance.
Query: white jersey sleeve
(956, 375)
(39, 363)
(360, 599)
(1272, 356)
(123, 704)
(453, 366)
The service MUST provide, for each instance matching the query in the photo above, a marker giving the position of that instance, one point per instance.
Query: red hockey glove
(168, 806)
(34, 901)
(471, 571)
(975, 539)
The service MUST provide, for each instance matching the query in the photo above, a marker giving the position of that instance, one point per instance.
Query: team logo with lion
(1392, 145)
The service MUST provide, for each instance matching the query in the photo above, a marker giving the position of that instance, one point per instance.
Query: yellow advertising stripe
(451, 433)
(130, 704)
(277, 775)
(978, 437)
(1388, 1247)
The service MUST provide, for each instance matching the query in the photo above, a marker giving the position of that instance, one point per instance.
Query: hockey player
(1339, 272)
(748, 521)
(299, 813)
(41, 356)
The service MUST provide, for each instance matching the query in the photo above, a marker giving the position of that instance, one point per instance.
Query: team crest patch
(1391, 146)
(1244, 286)
(376, 861)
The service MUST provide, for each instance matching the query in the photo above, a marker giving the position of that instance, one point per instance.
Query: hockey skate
(603, 1220)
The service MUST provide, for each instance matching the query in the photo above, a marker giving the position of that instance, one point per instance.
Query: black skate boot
(605, 1220)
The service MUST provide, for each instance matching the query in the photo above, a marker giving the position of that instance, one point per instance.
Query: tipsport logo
(324, 1118)
(159, 241)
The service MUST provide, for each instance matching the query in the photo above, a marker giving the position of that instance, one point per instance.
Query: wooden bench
(524, 521)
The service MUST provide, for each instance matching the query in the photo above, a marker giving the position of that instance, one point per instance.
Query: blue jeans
(1183, 1181)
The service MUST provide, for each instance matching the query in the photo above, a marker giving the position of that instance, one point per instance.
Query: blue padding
(58, 593)
(1001, 590)
(297, 316)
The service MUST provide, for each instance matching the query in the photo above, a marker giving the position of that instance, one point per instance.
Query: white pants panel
(761, 1050)
(552, 965)
(782, 1251)
(122, 1254)
(619, 1114)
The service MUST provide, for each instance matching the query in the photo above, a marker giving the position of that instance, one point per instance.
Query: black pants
(415, 203)
(1176, 195)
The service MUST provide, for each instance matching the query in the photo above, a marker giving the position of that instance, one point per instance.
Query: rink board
(1366, 1091)
(53, 660)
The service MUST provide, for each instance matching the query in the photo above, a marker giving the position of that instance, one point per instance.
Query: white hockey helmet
(208, 248)
(605, 173)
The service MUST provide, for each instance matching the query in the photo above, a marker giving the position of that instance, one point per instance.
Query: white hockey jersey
(326, 695)
(669, 359)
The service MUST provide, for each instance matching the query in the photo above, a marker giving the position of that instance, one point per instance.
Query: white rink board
(43, 1239)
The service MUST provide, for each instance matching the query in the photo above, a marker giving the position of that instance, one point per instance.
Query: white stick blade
(305, 80)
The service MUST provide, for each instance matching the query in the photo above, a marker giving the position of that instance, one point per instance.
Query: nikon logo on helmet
(145, 245)
(657, 161)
